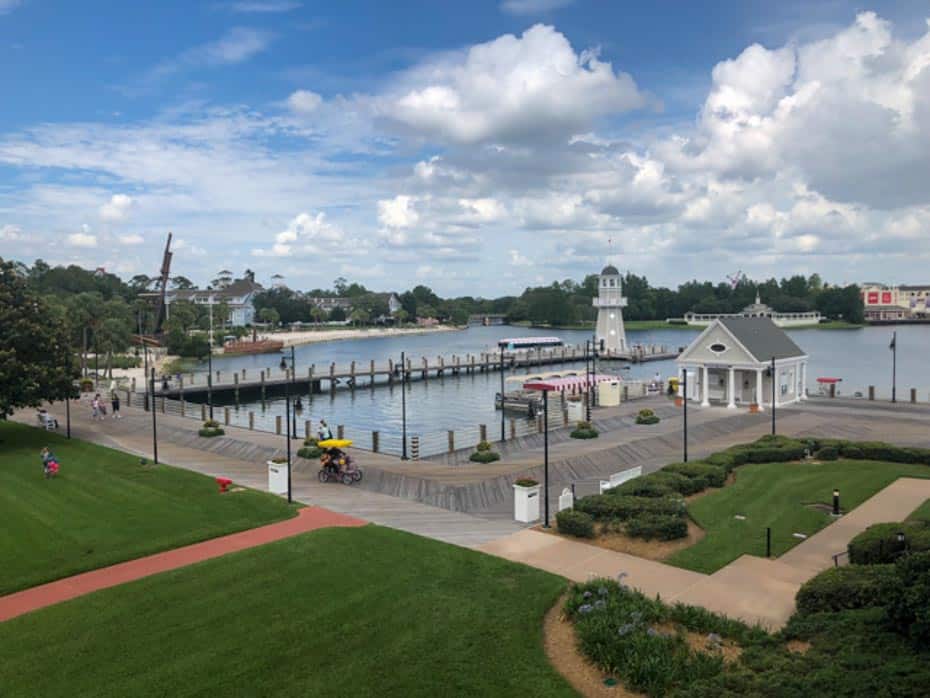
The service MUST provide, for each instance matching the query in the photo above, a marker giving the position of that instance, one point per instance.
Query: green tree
(269, 315)
(36, 361)
(360, 316)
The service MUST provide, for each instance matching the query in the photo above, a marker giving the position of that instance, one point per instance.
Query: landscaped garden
(731, 498)
(105, 507)
(337, 612)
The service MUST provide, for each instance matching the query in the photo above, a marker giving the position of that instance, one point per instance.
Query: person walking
(95, 407)
(325, 431)
(114, 403)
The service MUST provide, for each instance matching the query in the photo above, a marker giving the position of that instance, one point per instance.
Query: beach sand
(328, 335)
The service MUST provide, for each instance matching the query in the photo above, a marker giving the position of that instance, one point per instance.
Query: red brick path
(307, 519)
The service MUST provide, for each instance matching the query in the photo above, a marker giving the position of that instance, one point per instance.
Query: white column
(759, 388)
(705, 387)
(803, 371)
(681, 383)
(731, 390)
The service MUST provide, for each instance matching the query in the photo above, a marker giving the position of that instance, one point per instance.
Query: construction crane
(161, 287)
(736, 278)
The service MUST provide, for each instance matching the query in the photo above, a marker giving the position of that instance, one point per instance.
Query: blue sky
(476, 147)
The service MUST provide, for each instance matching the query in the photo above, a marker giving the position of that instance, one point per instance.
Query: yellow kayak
(334, 443)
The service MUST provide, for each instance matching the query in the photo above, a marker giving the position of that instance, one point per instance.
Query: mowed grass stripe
(362, 612)
(104, 508)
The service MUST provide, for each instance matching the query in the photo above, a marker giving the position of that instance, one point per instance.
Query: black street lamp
(773, 395)
(154, 426)
(287, 429)
(403, 405)
(684, 392)
(894, 367)
(587, 376)
(210, 377)
(503, 434)
(546, 456)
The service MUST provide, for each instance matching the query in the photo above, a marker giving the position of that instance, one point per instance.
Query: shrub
(310, 441)
(908, 605)
(575, 523)
(484, 457)
(878, 544)
(483, 447)
(645, 486)
(126, 361)
(86, 385)
(828, 453)
(852, 452)
(310, 452)
(714, 475)
(584, 430)
(209, 433)
(604, 507)
(661, 526)
(651, 419)
(279, 460)
(682, 484)
(526, 482)
(211, 424)
(846, 588)
(646, 412)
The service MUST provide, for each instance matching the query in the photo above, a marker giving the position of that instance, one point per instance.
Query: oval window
(718, 348)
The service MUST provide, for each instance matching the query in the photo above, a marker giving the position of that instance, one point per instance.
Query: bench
(620, 478)
(46, 421)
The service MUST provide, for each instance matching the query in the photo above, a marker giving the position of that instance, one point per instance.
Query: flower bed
(210, 429)
(647, 416)
(584, 430)
(484, 454)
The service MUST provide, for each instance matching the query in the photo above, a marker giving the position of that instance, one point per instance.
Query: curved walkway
(307, 519)
(753, 589)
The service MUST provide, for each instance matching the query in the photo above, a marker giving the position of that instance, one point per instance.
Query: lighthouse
(611, 335)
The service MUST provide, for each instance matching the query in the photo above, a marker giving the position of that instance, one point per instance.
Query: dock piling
(375, 442)
(415, 448)
(251, 420)
(226, 416)
(483, 431)
(277, 425)
(451, 441)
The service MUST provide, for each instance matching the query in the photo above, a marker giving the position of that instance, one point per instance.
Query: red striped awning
(568, 382)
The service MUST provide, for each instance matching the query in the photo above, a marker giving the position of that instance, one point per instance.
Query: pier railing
(429, 443)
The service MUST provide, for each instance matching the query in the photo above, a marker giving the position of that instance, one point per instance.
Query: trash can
(277, 477)
(575, 410)
(526, 503)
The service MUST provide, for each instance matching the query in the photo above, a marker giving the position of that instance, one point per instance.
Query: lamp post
(503, 434)
(154, 426)
(546, 456)
(684, 392)
(894, 366)
(773, 395)
(294, 411)
(403, 405)
(587, 377)
(287, 428)
(210, 366)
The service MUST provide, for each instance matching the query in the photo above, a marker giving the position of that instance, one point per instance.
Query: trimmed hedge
(846, 588)
(208, 432)
(310, 452)
(647, 416)
(909, 599)
(828, 453)
(661, 526)
(878, 544)
(575, 523)
(645, 486)
(484, 456)
(605, 507)
(584, 434)
(713, 475)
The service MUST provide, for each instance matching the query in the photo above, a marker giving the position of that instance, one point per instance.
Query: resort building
(889, 304)
(611, 334)
(730, 363)
(757, 309)
(239, 295)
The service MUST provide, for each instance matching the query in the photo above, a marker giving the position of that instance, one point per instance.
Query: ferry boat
(518, 343)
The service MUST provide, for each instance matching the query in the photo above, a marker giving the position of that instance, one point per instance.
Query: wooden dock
(357, 375)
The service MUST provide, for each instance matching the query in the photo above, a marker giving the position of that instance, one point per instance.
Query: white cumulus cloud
(82, 240)
(304, 101)
(132, 239)
(116, 209)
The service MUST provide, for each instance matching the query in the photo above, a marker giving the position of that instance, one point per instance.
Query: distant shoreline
(662, 325)
(302, 337)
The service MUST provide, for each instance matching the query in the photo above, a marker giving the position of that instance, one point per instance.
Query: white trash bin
(277, 477)
(526, 503)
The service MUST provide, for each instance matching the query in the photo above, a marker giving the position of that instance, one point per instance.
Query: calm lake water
(860, 357)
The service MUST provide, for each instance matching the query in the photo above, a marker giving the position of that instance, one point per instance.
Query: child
(114, 402)
(95, 406)
(49, 463)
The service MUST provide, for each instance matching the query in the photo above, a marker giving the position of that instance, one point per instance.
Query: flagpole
(894, 366)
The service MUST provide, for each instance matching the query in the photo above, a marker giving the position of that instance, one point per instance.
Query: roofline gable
(683, 356)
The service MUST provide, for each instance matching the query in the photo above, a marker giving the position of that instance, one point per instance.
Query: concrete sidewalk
(752, 589)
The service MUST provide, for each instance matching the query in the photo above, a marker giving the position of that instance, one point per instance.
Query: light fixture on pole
(403, 405)
(502, 396)
(154, 427)
(587, 380)
(684, 392)
(294, 411)
(287, 429)
(894, 366)
(210, 364)
(773, 395)
(546, 456)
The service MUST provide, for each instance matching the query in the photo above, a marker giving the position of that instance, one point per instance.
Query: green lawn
(104, 508)
(921, 513)
(774, 494)
(337, 612)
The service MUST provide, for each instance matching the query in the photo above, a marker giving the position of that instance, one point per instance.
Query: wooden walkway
(272, 379)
